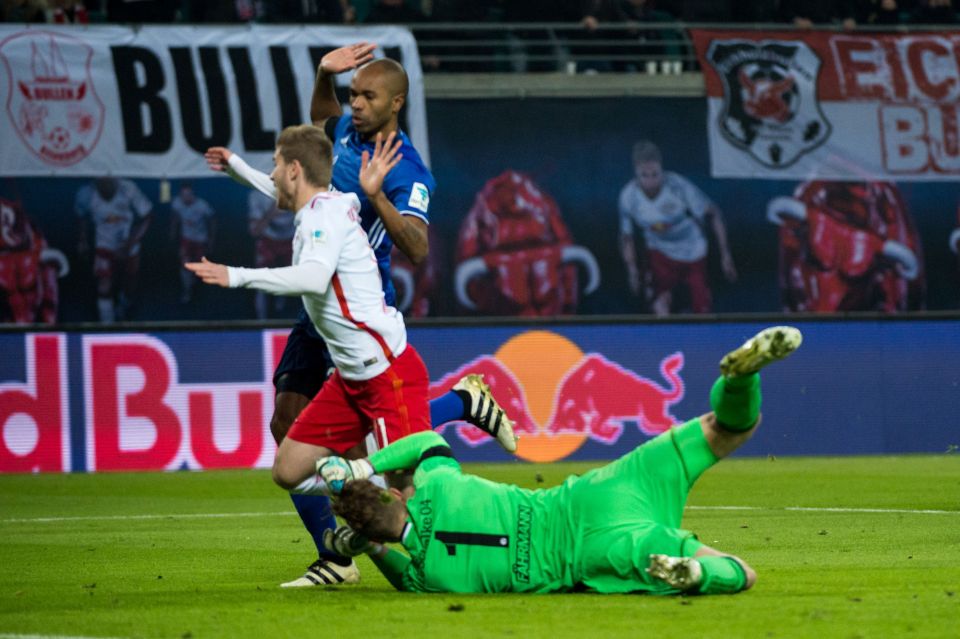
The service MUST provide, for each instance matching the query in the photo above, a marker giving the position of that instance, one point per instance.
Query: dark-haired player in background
(396, 213)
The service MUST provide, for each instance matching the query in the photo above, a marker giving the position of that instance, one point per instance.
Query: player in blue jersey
(394, 213)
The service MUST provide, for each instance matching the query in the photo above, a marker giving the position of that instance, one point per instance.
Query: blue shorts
(305, 363)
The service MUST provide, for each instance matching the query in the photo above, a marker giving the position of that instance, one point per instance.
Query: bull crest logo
(770, 107)
(50, 102)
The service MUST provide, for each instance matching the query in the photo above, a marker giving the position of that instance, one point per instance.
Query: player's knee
(282, 476)
(286, 407)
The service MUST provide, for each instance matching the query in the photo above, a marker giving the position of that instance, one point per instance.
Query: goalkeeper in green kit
(615, 529)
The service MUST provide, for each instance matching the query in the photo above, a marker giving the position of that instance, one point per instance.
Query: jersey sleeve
(423, 451)
(207, 209)
(409, 188)
(697, 201)
(323, 240)
(138, 200)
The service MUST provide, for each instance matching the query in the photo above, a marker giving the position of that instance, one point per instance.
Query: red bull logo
(561, 397)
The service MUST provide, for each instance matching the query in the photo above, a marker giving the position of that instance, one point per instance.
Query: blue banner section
(202, 399)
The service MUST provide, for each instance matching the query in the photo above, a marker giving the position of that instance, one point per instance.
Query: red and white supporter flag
(829, 105)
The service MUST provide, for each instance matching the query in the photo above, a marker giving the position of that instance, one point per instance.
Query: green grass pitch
(844, 547)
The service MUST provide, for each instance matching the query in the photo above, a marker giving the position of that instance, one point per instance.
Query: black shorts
(305, 362)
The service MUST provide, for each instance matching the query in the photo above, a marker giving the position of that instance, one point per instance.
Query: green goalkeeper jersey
(467, 534)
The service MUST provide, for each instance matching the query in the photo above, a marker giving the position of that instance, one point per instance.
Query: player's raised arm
(223, 160)
(408, 232)
(324, 103)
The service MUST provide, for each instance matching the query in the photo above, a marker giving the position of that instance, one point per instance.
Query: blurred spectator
(394, 12)
(721, 10)
(23, 11)
(67, 12)
(935, 12)
(142, 11)
(219, 11)
(434, 54)
(316, 11)
(881, 12)
(804, 14)
(540, 49)
(631, 48)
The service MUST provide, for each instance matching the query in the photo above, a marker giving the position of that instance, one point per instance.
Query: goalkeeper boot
(767, 346)
(682, 573)
(485, 413)
(324, 572)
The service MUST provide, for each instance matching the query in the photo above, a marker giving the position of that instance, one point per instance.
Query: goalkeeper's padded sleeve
(391, 563)
(405, 453)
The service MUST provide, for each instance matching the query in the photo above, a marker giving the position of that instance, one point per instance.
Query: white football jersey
(672, 221)
(361, 331)
(194, 219)
(280, 226)
(113, 219)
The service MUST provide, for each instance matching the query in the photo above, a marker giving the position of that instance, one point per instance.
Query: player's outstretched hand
(218, 157)
(345, 541)
(374, 168)
(346, 58)
(209, 272)
(337, 471)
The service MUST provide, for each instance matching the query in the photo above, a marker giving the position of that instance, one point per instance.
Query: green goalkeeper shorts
(632, 508)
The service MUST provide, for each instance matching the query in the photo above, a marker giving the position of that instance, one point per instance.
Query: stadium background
(577, 148)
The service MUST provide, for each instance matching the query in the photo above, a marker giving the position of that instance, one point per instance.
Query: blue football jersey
(408, 186)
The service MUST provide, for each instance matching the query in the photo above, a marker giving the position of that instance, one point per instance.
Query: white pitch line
(10, 636)
(42, 520)
(828, 509)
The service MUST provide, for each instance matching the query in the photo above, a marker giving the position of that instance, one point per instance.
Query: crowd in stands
(588, 13)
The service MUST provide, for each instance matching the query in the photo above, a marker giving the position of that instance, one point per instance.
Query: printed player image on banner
(829, 105)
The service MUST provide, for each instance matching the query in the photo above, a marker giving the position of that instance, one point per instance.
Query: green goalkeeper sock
(721, 575)
(736, 402)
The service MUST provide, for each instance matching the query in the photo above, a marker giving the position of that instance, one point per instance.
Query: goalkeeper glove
(345, 541)
(337, 471)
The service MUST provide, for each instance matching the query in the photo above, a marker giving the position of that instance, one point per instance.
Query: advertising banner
(832, 105)
(148, 102)
(202, 399)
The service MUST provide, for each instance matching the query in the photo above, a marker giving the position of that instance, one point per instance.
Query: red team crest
(51, 99)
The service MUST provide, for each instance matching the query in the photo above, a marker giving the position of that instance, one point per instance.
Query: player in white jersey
(272, 229)
(381, 384)
(121, 215)
(671, 213)
(194, 223)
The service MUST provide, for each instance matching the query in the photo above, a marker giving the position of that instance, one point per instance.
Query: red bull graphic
(560, 396)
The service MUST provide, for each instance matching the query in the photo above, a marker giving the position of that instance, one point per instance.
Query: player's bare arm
(209, 272)
(627, 250)
(409, 233)
(324, 103)
(137, 234)
(726, 258)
